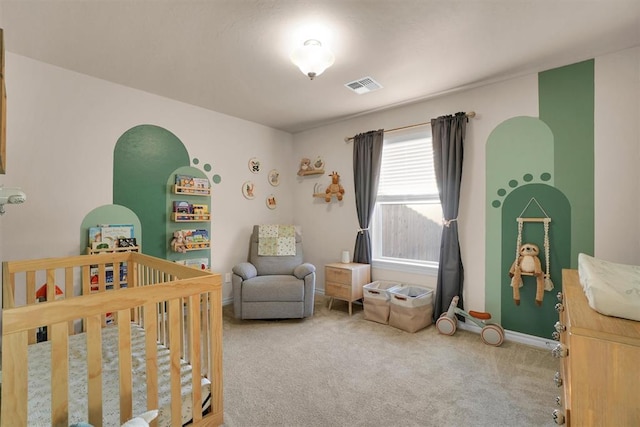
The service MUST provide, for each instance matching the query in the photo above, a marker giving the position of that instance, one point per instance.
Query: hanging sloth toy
(529, 263)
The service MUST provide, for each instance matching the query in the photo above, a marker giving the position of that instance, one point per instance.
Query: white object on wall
(12, 196)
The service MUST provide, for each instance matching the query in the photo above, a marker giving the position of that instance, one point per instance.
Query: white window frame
(401, 264)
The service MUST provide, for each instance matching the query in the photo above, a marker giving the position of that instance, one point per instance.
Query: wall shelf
(184, 217)
(324, 195)
(196, 246)
(191, 191)
(113, 250)
(313, 172)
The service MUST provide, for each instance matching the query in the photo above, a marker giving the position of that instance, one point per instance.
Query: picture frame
(274, 177)
(248, 190)
(271, 201)
(254, 165)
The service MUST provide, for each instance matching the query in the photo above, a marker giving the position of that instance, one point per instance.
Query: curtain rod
(470, 114)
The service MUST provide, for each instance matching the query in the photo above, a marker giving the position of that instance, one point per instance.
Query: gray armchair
(273, 287)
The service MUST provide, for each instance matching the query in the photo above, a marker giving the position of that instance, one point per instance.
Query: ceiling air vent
(363, 85)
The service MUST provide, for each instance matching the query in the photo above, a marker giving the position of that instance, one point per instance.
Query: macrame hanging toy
(527, 262)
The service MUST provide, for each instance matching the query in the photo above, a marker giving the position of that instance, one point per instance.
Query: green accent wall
(527, 317)
(144, 158)
(566, 99)
(519, 152)
(550, 158)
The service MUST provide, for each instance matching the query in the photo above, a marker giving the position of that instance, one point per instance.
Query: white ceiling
(232, 56)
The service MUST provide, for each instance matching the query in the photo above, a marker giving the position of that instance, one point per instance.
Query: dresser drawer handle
(558, 416)
(555, 335)
(560, 327)
(559, 296)
(557, 378)
(559, 400)
(560, 351)
(559, 307)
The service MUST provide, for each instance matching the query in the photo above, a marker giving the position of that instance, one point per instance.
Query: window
(407, 221)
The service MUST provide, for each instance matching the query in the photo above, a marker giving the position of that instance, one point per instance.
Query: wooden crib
(176, 311)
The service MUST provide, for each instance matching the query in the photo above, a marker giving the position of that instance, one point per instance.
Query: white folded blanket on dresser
(612, 289)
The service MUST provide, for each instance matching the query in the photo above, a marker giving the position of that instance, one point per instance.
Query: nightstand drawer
(338, 290)
(338, 275)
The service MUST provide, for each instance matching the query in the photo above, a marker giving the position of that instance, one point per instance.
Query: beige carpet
(336, 370)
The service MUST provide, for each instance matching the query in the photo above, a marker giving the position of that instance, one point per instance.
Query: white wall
(62, 128)
(617, 156)
(333, 226)
(330, 228)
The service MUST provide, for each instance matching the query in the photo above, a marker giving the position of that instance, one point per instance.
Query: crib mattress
(39, 407)
(612, 289)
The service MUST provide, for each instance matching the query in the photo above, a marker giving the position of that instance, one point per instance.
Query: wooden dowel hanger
(470, 114)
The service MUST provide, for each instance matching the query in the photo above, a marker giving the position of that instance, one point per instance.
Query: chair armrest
(304, 270)
(246, 270)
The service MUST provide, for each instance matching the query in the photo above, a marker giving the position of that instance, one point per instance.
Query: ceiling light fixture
(312, 58)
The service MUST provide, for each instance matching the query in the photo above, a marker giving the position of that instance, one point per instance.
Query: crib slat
(68, 291)
(174, 354)
(94, 369)
(86, 279)
(51, 285)
(151, 345)
(193, 321)
(14, 355)
(31, 299)
(215, 313)
(124, 361)
(60, 375)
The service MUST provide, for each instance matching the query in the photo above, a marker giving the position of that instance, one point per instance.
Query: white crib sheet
(39, 409)
(611, 289)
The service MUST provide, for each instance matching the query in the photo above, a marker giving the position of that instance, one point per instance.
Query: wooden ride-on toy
(491, 333)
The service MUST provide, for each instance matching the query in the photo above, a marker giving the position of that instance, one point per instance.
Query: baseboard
(227, 301)
(514, 336)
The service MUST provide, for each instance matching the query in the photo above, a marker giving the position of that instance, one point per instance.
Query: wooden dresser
(599, 363)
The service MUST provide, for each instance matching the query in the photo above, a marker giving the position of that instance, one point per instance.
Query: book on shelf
(95, 235)
(184, 180)
(127, 242)
(200, 211)
(183, 210)
(94, 277)
(199, 263)
(201, 184)
(194, 239)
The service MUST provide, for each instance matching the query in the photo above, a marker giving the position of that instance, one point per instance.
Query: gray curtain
(448, 134)
(367, 155)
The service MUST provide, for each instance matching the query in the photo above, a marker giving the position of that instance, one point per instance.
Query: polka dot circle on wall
(528, 178)
(208, 168)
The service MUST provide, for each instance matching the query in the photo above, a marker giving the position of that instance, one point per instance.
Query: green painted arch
(143, 159)
(519, 152)
(108, 214)
(174, 226)
(528, 318)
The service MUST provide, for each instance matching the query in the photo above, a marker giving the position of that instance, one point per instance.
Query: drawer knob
(556, 335)
(558, 416)
(560, 327)
(559, 296)
(559, 400)
(557, 378)
(560, 351)
(559, 307)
